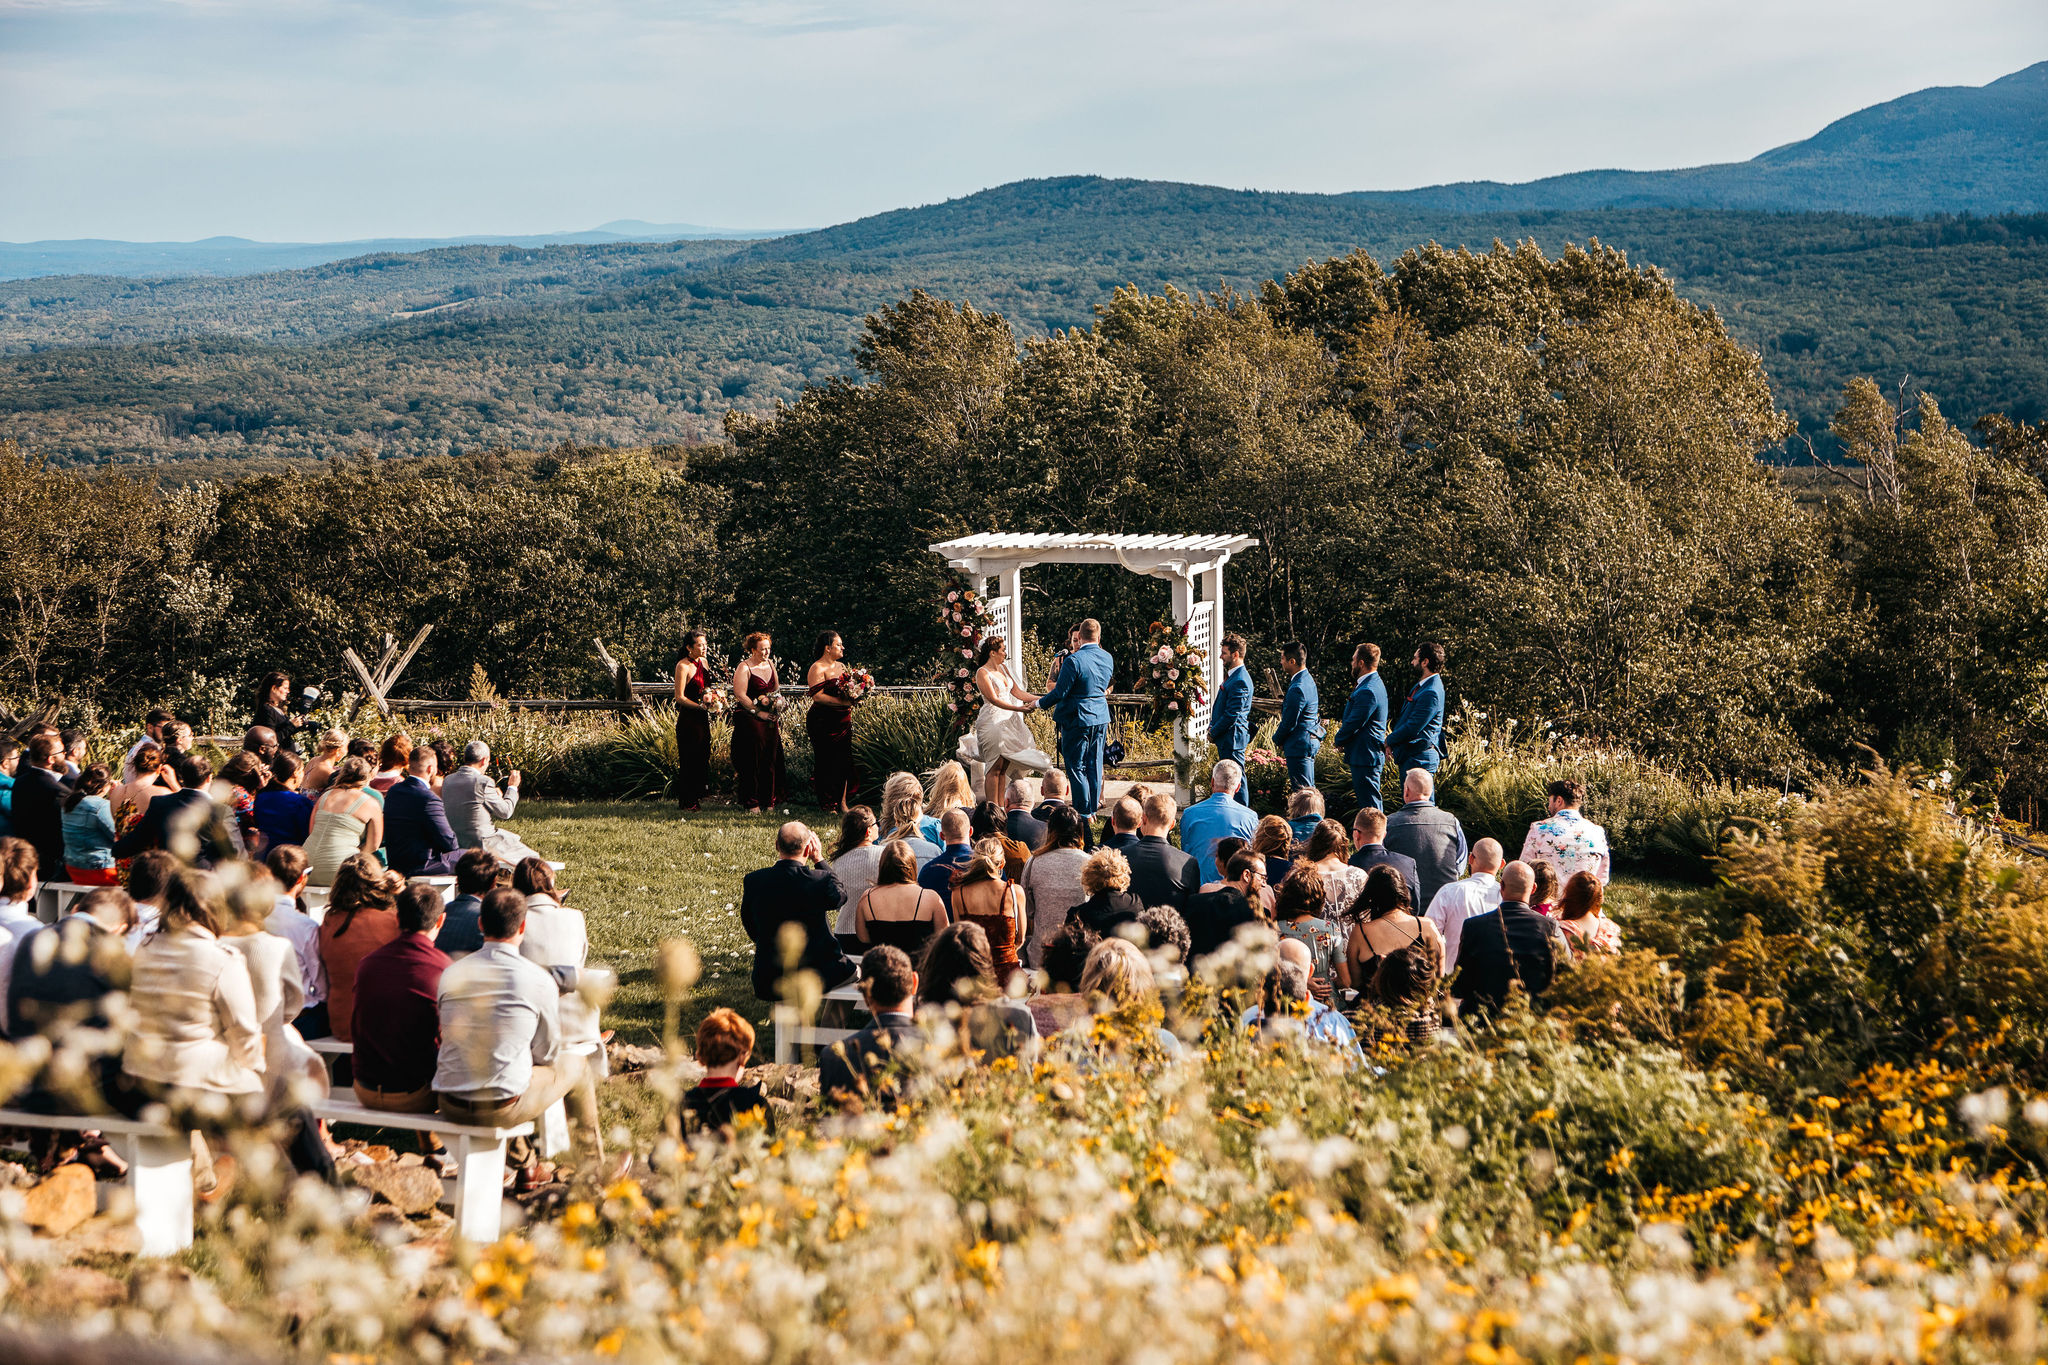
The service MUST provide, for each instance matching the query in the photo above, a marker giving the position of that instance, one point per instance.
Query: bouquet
(852, 686)
(1171, 678)
(717, 701)
(770, 705)
(965, 618)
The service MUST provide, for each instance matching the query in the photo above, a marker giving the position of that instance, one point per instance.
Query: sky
(306, 120)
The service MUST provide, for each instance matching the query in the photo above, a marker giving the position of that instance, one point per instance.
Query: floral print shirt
(1320, 937)
(1571, 843)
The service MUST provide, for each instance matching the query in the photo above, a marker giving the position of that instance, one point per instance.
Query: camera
(308, 699)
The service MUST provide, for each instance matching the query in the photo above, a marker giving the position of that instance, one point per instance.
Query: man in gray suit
(475, 805)
(1427, 833)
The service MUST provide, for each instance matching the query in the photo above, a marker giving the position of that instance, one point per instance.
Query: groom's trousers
(1081, 756)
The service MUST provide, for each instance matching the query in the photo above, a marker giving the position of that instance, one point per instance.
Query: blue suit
(1363, 738)
(1413, 740)
(1079, 702)
(1230, 722)
(1301, 730)
(417, 836)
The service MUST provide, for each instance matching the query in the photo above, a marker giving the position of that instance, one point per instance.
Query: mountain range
(1948, 149)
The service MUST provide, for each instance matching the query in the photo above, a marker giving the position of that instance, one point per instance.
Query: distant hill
(240, 256)
(1951, 149)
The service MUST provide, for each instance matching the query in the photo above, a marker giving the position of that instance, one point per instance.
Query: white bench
(159, 1179)
(791, 1032)
(479, 1158)
(54, 898)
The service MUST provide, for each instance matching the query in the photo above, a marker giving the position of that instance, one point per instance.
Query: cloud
(290, 119)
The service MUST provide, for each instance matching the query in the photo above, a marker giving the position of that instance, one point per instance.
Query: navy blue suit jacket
(1080, 696)
(1301, 725)
(1364, 731)
(1421, 725)
(1230, 715)
(416, 828)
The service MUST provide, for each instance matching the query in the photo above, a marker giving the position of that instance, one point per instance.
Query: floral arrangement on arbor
(1171, 679)
(965, 618)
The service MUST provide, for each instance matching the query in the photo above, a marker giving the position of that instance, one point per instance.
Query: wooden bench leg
(479, 1188)
(160, 1178)
(554, 1129)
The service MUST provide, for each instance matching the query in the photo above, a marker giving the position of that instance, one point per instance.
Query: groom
(1079, 702)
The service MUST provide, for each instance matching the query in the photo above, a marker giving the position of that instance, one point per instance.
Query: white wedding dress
(1001, 734)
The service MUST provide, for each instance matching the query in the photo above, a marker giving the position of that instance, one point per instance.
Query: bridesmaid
(693, 723)
(830, 722)
(757, 726)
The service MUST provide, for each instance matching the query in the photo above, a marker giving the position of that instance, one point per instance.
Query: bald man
(1321, 1022)
(1428, 834)
(1474, 894)
(1508, 947)
(798, 891)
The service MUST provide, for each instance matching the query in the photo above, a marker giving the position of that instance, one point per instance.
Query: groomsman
(1363, 735)
(1415, 736)
(1079, 702)
(1301, 725)
(1230, 716)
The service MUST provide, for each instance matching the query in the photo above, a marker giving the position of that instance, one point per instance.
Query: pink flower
(959, 672)
(1173, 673)
(968, 631)
(1173, 706)
(952, 597)
(952, 706)
(966, 653)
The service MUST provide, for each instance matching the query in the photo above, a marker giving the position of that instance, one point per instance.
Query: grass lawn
(642, 873)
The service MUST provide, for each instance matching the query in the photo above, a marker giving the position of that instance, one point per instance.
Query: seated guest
(477, 873)
(197, 1037)
(1368, 835)
(417, 837)
(1273, 841)
(10, 762)
(153, 723)
(1429, 835)
(284, 814)
(289, 921)
(1580, 916)
(1065, 959)
(956, 828)
(149, 879)
(981, 896)
(903, 816)
(362, 916)
(950, 790)
(1217, 816)
(474, 805)
(1457, 902)
(501, 1061)
(37, 814)
(896, 910)
(89, 831)
(1106, 877)
(1117, 980)
(1298, 915)
(366, 751)
(719, 1103)
(1287, 1005)
(958, 978)
(1383, 923)
(867, 1065)
(18, 884)
(1405, 984)
(1160, 873)
(1166, 935)
(327, 756)
(289, 1066)
(1304, 812)
(558, 938)
(347, 821)
(77, 749)
(1543, 897)
(1124, 817)
(261, 741)
(64, 975)
(855, 858)
(1054, 792)
(1021, 822)
(132, 797)
(1507, 946)
(392, 756)
(1328, 852)
(241, 778)
(796, 891)
(397, 1023)
(1052, 879)
(1214, 917)
(985, 821)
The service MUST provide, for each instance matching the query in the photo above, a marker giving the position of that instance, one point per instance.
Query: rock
(379, 1152)
(781, 1080)
(74, 1287)
(107, 1234)
(63, 1200)
(409, 1189)
(626, 1057)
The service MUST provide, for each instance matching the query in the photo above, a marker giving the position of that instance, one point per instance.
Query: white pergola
(1189, 563)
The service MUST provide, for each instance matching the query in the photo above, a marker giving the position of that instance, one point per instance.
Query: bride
(1002, 740)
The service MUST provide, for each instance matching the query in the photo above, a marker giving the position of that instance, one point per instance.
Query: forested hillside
(638, 344)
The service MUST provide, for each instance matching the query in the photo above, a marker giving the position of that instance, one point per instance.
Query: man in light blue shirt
(1217, 816)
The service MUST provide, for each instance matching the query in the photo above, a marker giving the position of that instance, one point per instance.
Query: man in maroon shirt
(396, 1024)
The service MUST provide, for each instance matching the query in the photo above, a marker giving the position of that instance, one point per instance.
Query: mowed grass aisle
(642, 873)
